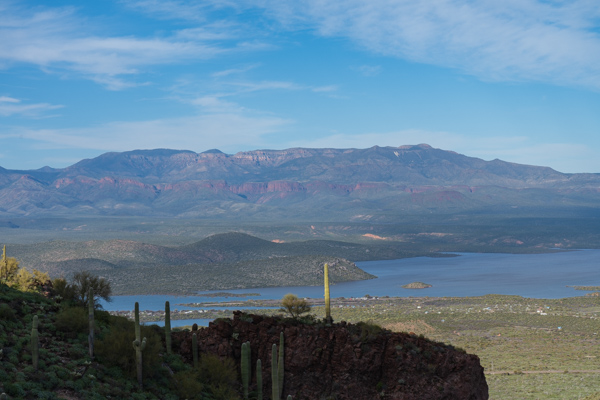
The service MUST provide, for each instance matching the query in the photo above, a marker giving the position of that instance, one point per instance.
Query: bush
(189, 385)
(71, 321)
(115, 348)
(294, 306)
(219, 376)
(7, 313)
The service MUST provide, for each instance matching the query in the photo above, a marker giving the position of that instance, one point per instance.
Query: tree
(19, 278)
(9, 266)
(77, 291)
(294, 306)
(28, 282)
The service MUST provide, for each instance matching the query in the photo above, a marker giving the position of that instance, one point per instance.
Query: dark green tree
(77, 290)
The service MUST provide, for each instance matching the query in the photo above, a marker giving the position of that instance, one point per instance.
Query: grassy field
(530, 348)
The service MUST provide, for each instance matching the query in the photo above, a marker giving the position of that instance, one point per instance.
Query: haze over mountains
(375, 184)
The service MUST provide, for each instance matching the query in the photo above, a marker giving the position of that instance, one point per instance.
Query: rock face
(346, 361)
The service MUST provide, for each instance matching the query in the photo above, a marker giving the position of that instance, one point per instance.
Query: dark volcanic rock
(346, 361)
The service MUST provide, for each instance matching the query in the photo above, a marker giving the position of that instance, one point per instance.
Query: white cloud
(227, 131)
(10, 106)
(57, 39)
(234, 71)
(190, 10)
(368, 70)
(9, 99)
(549, 41)
(564, 157)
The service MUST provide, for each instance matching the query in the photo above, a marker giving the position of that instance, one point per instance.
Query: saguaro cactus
(280, 366)
(259, 394)
(328, 318)
(195, 350)
(274, 376)
(35, 342)
(168, 327)
(246, 367)
(138, 345)
(91, 322)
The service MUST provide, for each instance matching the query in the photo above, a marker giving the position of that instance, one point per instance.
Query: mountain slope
(292, 184)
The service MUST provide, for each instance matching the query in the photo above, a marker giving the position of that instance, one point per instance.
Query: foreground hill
(375, 184)
(349, 361)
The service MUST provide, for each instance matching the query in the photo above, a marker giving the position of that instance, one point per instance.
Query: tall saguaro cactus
(246, 367)
(280, 366)
(259, 394)
(168, 327)
(274, 376)
(195, 350)
(277, 369)
(138, 344)
(35, 343)
(91, 322)
(328, 318)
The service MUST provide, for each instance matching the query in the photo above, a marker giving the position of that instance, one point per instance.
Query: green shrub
(72, 321)
(14, 390)
(189, 385)
(6, 312)
(219, 376)
(368, 330)
(115, 348)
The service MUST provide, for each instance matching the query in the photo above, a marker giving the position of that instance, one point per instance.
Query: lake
(469, 274)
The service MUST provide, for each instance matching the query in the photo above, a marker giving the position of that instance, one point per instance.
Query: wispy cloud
(548, 41)
(10, 106)
(518, 149)
(59, 40)
(368, 70)
(234, 71)
(190, 10)
(227, 131)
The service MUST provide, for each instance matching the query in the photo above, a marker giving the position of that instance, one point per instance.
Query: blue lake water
(469, 274)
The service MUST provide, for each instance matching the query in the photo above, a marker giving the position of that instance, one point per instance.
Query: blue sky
(517, 80)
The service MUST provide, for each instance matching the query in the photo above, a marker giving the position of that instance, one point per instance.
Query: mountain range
(377, 184)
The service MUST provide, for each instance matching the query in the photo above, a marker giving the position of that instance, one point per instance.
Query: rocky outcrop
(346, 361)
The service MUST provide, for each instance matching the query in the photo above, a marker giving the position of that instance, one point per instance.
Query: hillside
(408, 365)
(217, 253)
(375, 184)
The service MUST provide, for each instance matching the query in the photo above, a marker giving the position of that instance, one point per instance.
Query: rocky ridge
(292, 183)
(346, 361)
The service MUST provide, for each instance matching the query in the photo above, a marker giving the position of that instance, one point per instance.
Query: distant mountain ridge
(356, 184)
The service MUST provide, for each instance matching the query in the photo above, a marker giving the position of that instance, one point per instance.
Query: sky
(516, 80)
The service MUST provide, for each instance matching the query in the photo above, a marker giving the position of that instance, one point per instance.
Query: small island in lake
(416, 285)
